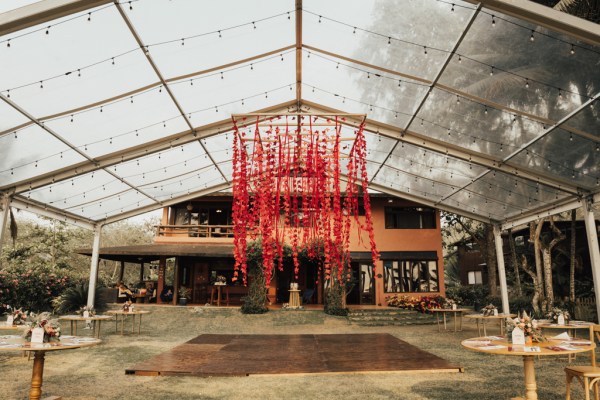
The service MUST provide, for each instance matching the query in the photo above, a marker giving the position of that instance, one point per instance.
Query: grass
(98, 372)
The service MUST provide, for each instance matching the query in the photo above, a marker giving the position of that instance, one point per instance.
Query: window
(410, 218)
(402, 276)
(474, 278)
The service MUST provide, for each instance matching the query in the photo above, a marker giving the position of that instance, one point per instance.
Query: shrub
(470, 295)
(31, 290)
(422, 304)
(75, 297)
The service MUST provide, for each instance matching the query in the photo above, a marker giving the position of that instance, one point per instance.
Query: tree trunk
(547, 259)
(513, 260)
(491, 260)
(549, 290)
(537, 287)
(572, 256)
(535, 228)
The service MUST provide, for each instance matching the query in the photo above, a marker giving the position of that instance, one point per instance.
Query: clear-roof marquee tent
(110, 109)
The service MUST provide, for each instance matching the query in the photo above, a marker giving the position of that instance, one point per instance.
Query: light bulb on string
(48, 30)
(532, 38)
(389, 40)
(425, 50)
(8, 43)
(493, 21)
(572, 51)
(452, 9)
(130, 6)
(79, 72)
(220, 34)
(526, 83)
(560, 95)
(183, 41)
(492, 71)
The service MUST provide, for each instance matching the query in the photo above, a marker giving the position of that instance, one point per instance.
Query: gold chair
(588, 376)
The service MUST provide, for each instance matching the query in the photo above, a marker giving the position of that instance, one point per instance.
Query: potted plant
(184, 295)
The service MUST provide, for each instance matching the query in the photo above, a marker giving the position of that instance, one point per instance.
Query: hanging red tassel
(288, 188)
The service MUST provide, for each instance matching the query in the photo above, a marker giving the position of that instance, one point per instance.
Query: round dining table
(486, 318)
(457, 313)
(500, 346)
(18, 343)
(97, 319)
(124, 314)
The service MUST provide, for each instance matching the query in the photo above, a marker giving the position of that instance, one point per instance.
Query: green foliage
(31, 290)
(470, 295)
(255, 301)
(73, 298)
(334, 299)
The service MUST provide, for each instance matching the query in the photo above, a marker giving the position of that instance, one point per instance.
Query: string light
(493, 21)
(532, 38)
(572, 51)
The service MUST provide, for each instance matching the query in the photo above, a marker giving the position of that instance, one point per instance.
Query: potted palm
(184, 294)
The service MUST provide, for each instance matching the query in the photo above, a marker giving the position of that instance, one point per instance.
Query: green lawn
(98, 372)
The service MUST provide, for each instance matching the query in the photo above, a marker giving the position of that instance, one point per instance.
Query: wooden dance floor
(243, 355)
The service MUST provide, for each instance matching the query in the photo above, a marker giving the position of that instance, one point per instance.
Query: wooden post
(121, 271)
(142, 271)
(176, 282)
(160, 285)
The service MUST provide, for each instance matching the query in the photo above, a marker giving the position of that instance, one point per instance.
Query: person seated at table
(167, 294)
(124, 292)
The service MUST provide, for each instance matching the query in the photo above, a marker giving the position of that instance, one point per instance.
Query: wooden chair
(588, 376)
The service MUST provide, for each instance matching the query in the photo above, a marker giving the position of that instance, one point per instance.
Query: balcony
(194, 231)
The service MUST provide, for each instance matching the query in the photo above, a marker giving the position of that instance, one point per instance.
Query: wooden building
(198, 236)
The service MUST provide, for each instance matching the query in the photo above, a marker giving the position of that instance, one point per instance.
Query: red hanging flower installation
(287, 188)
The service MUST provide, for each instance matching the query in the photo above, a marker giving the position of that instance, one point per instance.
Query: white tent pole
(3, 220)
(501, 269)
(94, 265)
(592, 238)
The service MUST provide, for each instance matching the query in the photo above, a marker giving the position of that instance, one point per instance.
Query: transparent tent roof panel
(571, 157)
(126, 123)
(10, 118)
(472, 125)
(251, 28)
(412, 51)
(437, 167)
(385, 97)
(32, 152)
(244, 88)
(526, 80)
(73, 62)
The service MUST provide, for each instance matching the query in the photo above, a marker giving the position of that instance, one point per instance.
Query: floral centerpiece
(555, 313)
(489, 310)
(221, 280)
(527, 325)
(185, 292)
(19, 316)
(127, 306)
(450, 304)
(90, 309)
(51, 327)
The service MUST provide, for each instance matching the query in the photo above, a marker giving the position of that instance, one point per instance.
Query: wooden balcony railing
(203, 231)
